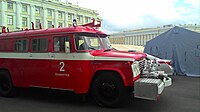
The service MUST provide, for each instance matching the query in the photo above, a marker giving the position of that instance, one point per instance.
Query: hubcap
(108, 90)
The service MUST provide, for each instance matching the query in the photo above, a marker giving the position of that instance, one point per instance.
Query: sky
(123, 15)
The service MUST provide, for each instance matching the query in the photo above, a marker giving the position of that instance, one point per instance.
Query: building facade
(139, 37)
(18, 14)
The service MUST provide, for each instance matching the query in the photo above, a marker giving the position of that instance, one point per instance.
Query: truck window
(21, 45)
(87, 42)
(39, 45)
(92, 42)
(60, 43)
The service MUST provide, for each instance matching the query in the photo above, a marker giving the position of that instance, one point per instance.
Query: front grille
(142, 64)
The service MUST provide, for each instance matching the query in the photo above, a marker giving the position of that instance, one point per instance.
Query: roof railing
(3, 29)
(32, 24)
(91, 24)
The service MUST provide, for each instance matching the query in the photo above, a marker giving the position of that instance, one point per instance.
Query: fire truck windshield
(92, 42)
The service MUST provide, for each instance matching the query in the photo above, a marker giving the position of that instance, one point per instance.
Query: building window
(37, 10)
(10, 5)
(49, 24)
(24, 8)
(69, 25)
(49, 12)
(39, 45)
(10, 20)
(24, 21)
(80, 18)
(87, 19)
(60, 24)
(60, 15)
(21, 45)
(70, 16)
(37, 23)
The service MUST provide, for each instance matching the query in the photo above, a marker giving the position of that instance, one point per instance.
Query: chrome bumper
(167, 81)
(149, 88)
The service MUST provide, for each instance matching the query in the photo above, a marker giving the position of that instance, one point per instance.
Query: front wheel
(108, 90)
(6, 86)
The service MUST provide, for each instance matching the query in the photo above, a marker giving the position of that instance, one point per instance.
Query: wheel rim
(108, 91)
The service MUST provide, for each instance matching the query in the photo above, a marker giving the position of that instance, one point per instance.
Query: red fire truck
(77, 58)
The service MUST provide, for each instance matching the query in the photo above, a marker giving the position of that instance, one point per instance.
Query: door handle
(51, 55)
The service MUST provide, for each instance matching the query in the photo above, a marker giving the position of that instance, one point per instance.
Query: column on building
(56, 18)
(3, 15)
(141, 39)
(32, 12)
(44, 24)
(126, 40)
(145, 39)
(131, 40)
(18, 15)
(122, 38)
(65, 18)
(84, 21)
(76, 14)
(136, 40)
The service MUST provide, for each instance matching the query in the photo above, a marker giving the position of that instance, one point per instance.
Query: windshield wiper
(107, 50)
(114, 48)
(91, 48)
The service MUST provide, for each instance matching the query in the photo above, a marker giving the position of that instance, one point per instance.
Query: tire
(108, 90)
(6, 85)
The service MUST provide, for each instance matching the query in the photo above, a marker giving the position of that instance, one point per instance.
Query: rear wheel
(108, 90)
(6, 86)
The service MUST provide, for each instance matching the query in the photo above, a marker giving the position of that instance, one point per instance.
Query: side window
(21, 45)
(61, 44)
(79, 41)
(40, 45)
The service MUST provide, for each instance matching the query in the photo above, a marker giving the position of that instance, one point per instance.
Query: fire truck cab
(79, 59)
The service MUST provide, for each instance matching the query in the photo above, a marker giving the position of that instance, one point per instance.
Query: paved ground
(183, 96)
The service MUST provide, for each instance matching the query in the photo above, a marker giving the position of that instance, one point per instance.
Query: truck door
(62, 63)
(38, 67)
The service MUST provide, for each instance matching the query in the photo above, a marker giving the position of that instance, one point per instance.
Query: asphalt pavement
(182, 96)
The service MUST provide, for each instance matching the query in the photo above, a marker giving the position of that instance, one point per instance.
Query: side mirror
(67, 47)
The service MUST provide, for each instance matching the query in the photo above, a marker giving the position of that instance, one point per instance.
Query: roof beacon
(74, 22)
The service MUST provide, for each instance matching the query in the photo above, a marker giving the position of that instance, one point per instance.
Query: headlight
(135, 68)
